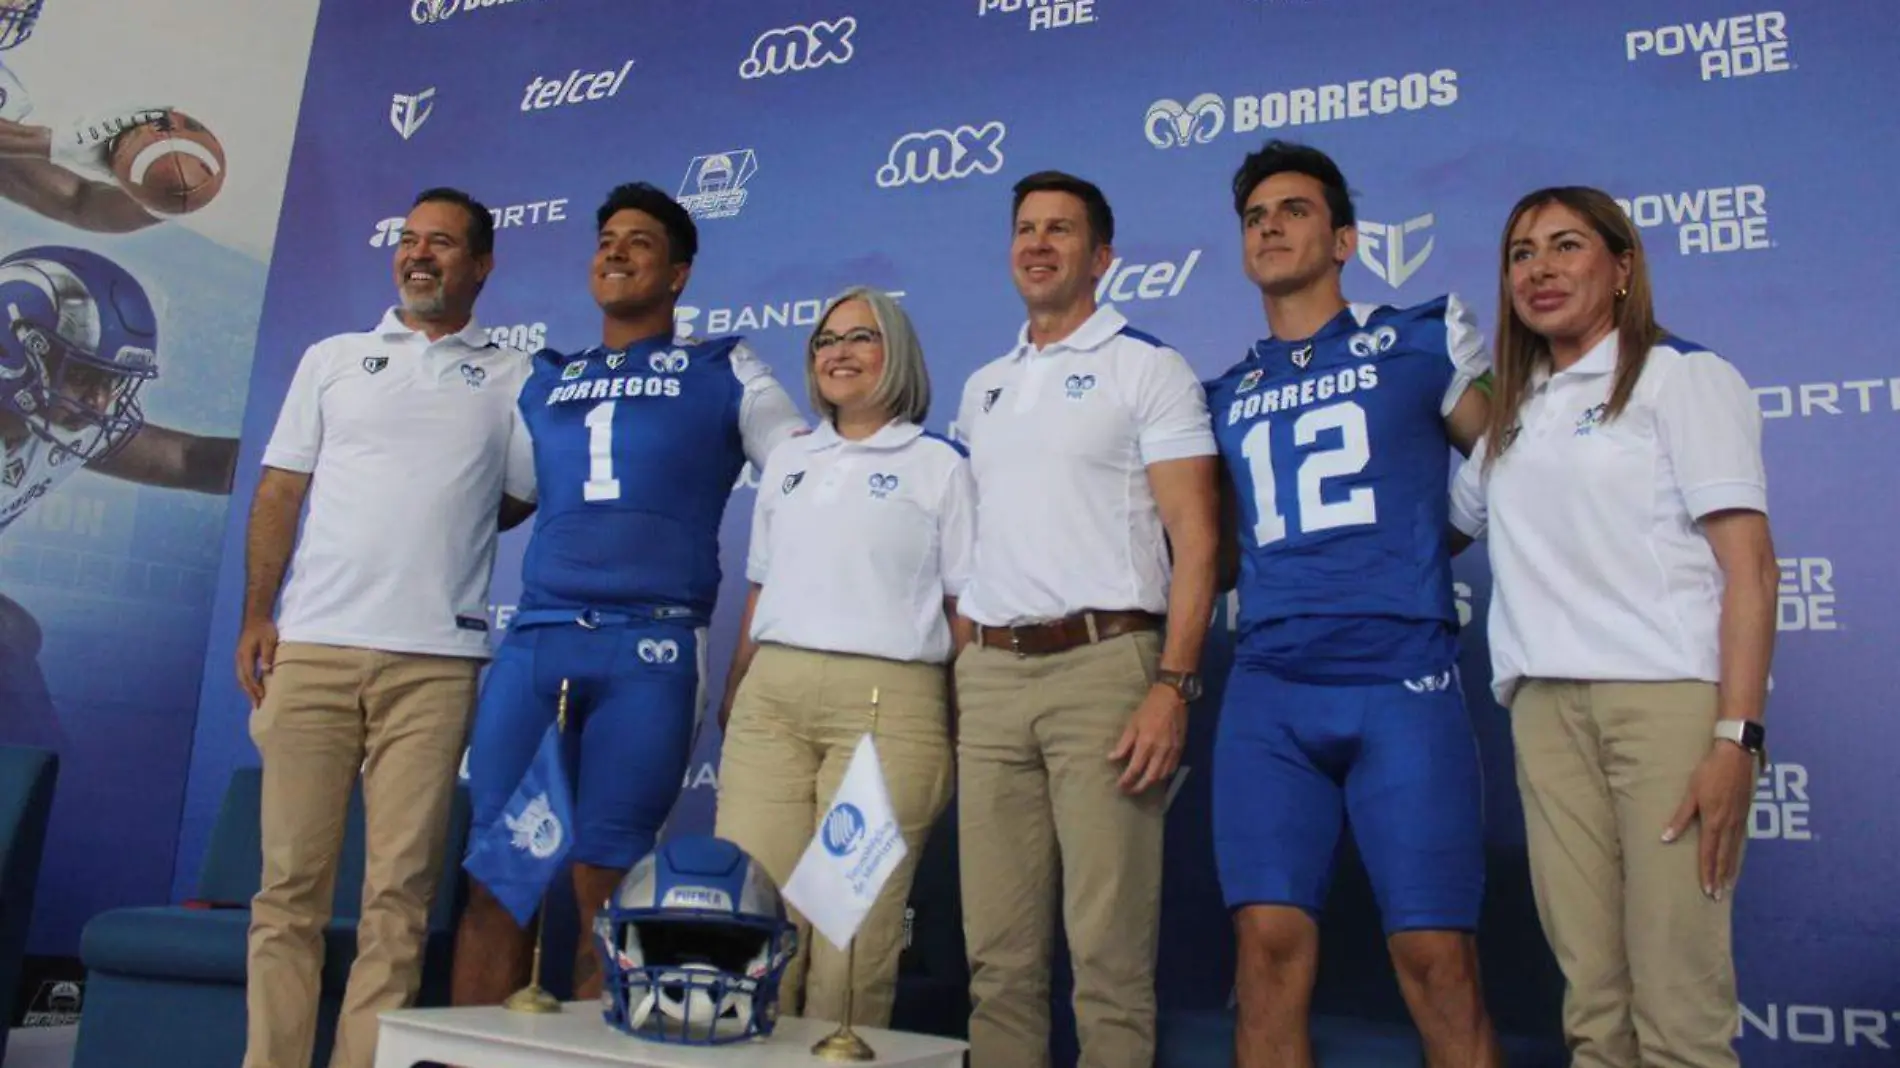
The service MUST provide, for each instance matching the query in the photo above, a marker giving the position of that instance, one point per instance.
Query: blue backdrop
(826, 142)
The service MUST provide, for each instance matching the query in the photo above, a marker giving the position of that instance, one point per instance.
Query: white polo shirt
(855, 544)
(1599, 569)
(1060, 439)
(410, 445)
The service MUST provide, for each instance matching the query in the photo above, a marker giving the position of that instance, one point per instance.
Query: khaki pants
(328, 712)
(1039, 806)
(796, 720)
(1649, 977)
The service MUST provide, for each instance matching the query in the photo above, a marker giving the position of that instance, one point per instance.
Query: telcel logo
(544, 93)
(1145, 281)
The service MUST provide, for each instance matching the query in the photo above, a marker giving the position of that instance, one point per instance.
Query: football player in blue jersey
(1335, 435)
(638, 442)
(78, 342)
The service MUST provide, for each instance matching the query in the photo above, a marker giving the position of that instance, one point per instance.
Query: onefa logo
(944, 155)
(714, 186)
(1382, 248)
(407, 113)
(796, 48)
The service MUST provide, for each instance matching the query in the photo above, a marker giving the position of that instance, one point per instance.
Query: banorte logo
(429, 12)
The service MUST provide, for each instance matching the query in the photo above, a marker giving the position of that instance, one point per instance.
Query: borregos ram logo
(429, 12)
(795, 48)
(1172, 123)
(943, 155)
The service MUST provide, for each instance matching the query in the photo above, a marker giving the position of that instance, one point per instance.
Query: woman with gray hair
(861, 541)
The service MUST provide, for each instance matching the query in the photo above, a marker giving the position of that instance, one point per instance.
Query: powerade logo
(843, 829)
(1043, 14)
(798, 48)
(1729, 218)
(1804, 598)
(1740, 46)
(943, 155)
(1170, 123)
(1780, 808)
(429, 12)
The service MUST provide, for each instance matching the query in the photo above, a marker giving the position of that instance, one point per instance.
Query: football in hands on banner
(857, 846)
(519, 855)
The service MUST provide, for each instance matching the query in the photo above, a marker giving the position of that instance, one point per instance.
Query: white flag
(857, 846)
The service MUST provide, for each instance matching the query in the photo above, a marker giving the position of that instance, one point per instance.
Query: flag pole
(532, 998)
(845, 1044)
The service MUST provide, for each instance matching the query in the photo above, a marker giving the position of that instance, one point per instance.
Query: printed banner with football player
(822, 143)
(142, 159)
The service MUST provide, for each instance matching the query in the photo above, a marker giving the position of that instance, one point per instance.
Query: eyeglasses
(860, 338)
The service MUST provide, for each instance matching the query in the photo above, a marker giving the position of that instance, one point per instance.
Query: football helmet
(693, 944)
(78, 339)
(16, 21)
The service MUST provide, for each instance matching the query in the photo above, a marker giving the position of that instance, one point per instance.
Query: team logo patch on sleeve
(1249, 380)
(573, 370)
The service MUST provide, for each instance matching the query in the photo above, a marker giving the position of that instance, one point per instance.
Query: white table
(576, 1037)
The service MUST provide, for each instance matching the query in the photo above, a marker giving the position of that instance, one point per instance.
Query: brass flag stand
(844, 1044)
(532, 998)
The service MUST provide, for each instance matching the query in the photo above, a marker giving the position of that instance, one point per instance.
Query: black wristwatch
(1185, 683)
(1747, 733)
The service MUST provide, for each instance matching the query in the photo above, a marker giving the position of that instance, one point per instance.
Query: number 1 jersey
(1336, 452)
(636, 452)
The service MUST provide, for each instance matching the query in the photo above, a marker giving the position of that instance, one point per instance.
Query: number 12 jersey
(1336, 454)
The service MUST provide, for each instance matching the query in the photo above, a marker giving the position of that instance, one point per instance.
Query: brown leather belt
(1069, 632)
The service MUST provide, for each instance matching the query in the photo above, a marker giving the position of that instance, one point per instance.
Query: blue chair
(165, 984)
(26, 801)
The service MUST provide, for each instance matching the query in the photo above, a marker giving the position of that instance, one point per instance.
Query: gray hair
(904, 390)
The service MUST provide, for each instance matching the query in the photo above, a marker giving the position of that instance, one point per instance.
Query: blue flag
(518, 855)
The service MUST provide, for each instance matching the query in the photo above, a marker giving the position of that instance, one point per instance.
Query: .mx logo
(943, 155)
(1382, 248)
(408, 112)
(796, 48)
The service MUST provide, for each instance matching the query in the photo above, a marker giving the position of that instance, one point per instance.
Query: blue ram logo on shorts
(664, 651)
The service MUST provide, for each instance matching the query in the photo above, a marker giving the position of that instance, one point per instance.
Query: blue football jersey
(635, 455)
(1336, 452)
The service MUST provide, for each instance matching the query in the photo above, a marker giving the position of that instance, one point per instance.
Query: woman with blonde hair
(1620, 488)
(861, 541)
